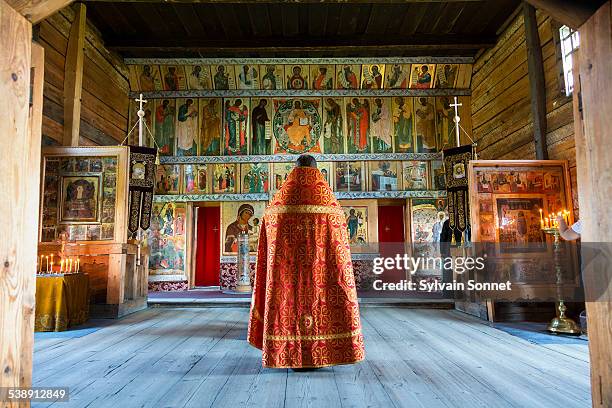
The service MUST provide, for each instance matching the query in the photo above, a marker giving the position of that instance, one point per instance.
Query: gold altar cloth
(62, 301)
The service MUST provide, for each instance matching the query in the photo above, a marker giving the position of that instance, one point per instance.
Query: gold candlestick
(560, 323)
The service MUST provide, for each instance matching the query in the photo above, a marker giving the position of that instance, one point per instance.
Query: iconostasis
(228, 131)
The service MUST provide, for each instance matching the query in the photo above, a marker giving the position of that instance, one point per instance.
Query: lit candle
(70, 265)
(51, 260)
(78, 264)
(47, 258)
(541, 217)
(542, 224)
(51, 266)
(546, 222)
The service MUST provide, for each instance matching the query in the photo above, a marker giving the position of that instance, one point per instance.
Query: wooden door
(391, 237)
(208, 262)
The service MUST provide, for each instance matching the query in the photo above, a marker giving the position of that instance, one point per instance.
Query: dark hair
(306, 160)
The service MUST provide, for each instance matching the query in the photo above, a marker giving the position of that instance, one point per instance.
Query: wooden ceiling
(299, 28)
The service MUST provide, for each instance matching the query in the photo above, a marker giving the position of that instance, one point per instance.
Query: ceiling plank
(569, 12)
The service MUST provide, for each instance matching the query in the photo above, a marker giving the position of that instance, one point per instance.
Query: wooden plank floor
(180, 357)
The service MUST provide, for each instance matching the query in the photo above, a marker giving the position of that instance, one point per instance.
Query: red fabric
(304, 311)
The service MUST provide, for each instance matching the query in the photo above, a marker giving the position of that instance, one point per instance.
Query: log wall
(502, 121)
(104, 102)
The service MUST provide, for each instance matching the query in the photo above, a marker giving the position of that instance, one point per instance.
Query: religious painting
(381, 125)
(518, 222)
(403, 119)
(445, 125)
(349, 176)
(384, 175)
(296, 77)
(94, 233)
(280, 173)
(438, 179)
(427, 217)
(425, 125)
(271, 76)
(414, 175)
(210, 126)
(187, 127)
(223, 77)
(168, 179)
(358, 125)
(77, 232)
(297, 125)
(173, 77)
(198, 77)
(108, 232)
(236, 117)
(326, 169)
(446, 75)
(195, 179)
(333, 125)
(224, 178)
(421, 76)
(347, 76)
(372, 76)
(247, 76)
(261, 126)
(166, 237)
(322, 76)
(164, 126)
(357, 225)
(80, 198)
(133, 77)
(241, 218)
(514, 193)
(397, 76)
(255, 177)
(149, 78)
(464, 76)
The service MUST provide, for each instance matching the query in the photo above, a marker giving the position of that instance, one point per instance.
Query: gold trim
(314, 337)
(305, 209)
(358, 360)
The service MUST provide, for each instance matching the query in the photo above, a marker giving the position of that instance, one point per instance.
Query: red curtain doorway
(208, 253)
(391, 234)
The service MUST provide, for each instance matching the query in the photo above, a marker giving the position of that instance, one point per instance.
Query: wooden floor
(166, 357)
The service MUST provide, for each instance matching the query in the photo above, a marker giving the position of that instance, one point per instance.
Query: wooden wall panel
(501, 106)
(20, 146)
(104, 100)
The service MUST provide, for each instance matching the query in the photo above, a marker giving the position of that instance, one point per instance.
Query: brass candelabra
(560, 323)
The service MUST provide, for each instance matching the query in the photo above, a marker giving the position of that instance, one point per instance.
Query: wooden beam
(19, 188)
(594, 175)
(36, 10)
(285, 1)
(537, 84)
(281, 45)
(572, 13)
(73, 77)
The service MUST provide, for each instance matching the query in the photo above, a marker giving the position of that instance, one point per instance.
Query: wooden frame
(121, 210)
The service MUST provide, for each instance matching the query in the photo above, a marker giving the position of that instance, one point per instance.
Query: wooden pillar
(19, 186)
(73, 77)
(593, 137)
(537, 84)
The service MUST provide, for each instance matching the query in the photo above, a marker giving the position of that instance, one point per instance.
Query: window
(570, 40)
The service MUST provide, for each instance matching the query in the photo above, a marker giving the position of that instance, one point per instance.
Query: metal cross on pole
(456, 119)
(141, 114)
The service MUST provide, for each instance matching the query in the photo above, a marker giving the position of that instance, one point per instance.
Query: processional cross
(456, 119)
(141, 114)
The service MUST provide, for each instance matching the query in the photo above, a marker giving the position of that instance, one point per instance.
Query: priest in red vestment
(304, 311)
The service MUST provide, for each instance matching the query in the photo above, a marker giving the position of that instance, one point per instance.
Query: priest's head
(306, 160)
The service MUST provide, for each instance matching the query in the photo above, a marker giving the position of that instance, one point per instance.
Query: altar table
(62, 301)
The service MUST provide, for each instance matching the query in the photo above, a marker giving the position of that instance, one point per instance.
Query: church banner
(141, 186)
(456, 162)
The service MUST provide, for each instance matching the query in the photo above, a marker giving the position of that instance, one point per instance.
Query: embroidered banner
(141, 186)
(456, 162)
